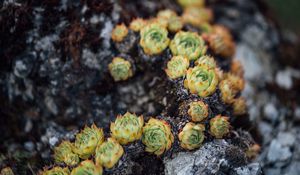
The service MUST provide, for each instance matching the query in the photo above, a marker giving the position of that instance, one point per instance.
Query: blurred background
(287, 12)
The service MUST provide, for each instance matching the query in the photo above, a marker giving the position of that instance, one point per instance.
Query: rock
(217, 157)
(251, 169)
(278, 152)
(284, 79)
(271, 112)
(273, 171)
(286, 138)
(293, 169)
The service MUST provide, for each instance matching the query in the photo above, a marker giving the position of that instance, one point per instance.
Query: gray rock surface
(218, 157)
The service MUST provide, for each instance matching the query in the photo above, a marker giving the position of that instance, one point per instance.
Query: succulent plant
(177, 67)
(197, 16)
(175, 24)
(63, 153)
(220, 41)
(201, 80)
(237, 82)
(191, 3)
(207, 61)
(7, 171)
(219, 126)
(198, 111)
(228, 91)
(127, 128)
(236, 68)
(56, 171)
(137, 24)
(108, 153)
(154, 38)
(239, 106)
(191, 136)
(119, 33)
(157, 136)
(167, 14)
(188, 44)
(87, 167)
(87, 140)
(120, 69)
(253, 151)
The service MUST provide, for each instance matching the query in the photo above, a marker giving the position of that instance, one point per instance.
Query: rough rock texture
(218, 157)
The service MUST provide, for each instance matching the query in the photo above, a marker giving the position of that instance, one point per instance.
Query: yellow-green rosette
(87, 167)
(188, 44)
(201, 80)
(63, 153)
(120, 69)
(228, 91)
(191, 3)
(157, 136)
(197, 16)
(154, 38)
(127, 128)
(207, 61)
(177, 67)
(198, 111)
(237, 82)
(87, 140)
(220, 41)
(167, 14)
(175, 24)
(7, 171)
(219, 126)
(119, 33)
(57, 171)
(191, 136)
(108, 153)
(239, 106)
(137, 24)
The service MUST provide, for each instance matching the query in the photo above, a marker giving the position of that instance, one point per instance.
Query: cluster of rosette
(191, 62)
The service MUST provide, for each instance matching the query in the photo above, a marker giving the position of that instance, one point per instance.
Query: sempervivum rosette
(191, 3)
(219, 126)
(198, 111)
(201, 80)
(108, 153)
(63, 154)
(87, 167)
(157, 136)
(221, 42)
(120, 69)
(191, 136)
(177, 67)
(56, 171)
(188, 44)
(154, 38)
(87, 140)
(127, 128)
